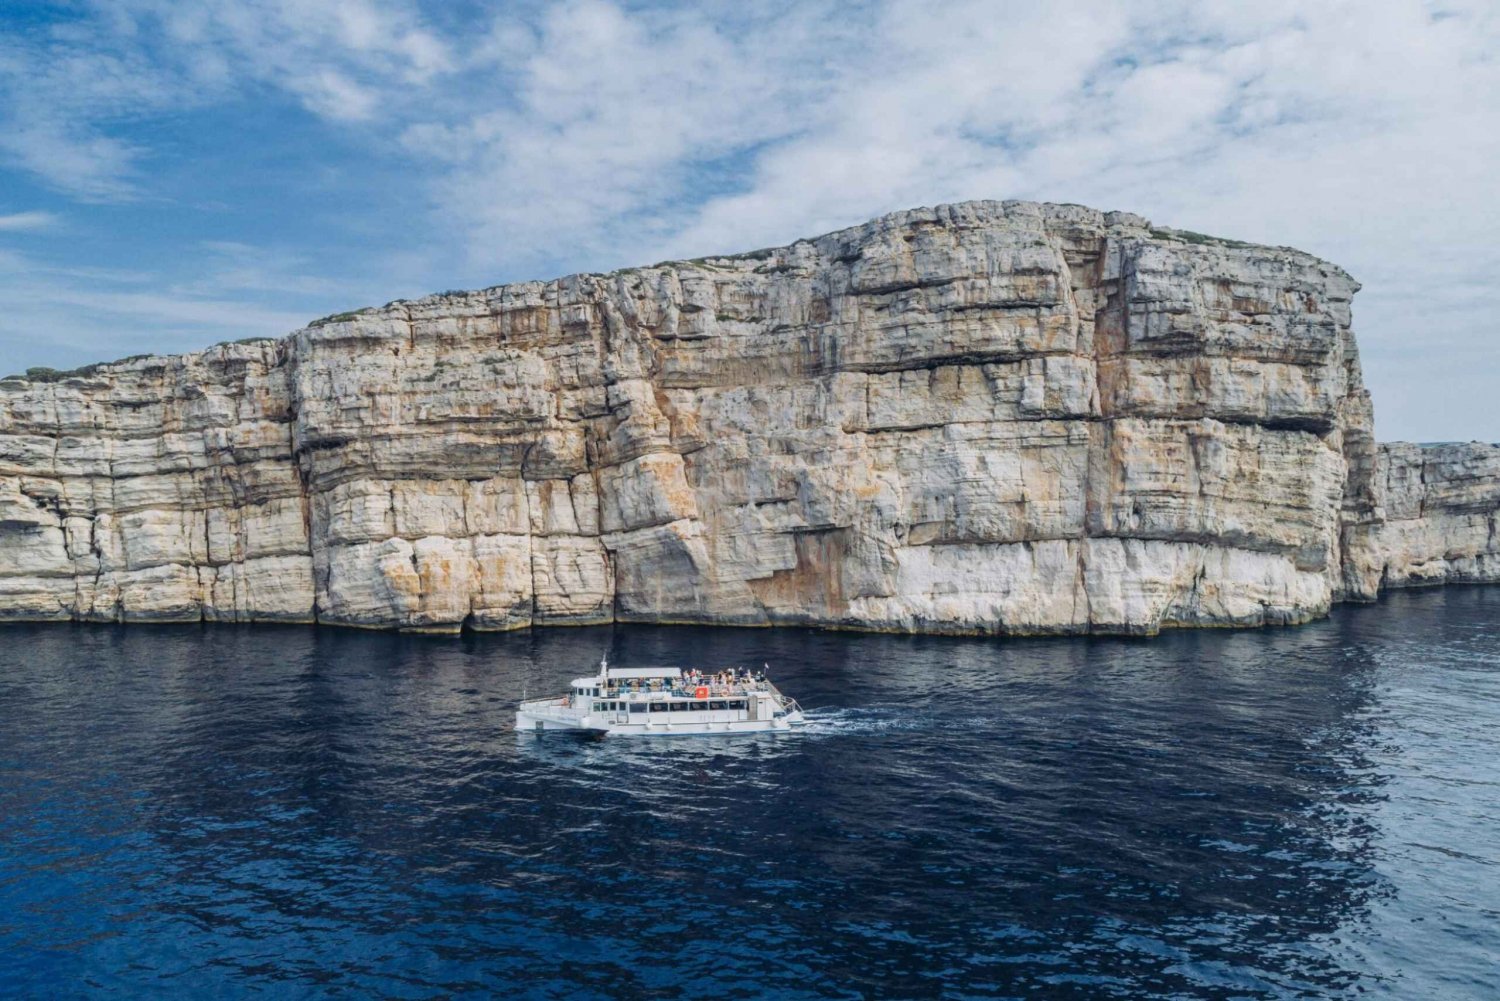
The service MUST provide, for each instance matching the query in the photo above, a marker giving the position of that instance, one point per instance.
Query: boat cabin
(665, 699)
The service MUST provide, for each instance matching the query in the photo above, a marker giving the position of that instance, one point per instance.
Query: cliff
(1440, 519)
(984, 417)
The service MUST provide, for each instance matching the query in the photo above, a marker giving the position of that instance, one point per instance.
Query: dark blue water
(289, 812)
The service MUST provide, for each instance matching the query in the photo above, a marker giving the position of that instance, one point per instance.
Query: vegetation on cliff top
(42, 373)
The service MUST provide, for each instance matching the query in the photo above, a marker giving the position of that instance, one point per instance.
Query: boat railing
(715, 691)
(786, 702)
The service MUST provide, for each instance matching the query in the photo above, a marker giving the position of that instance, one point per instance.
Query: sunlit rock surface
(987, 417)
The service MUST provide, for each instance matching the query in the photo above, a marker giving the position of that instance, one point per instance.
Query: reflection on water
(295, 812)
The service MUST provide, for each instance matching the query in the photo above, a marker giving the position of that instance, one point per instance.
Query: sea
(296, 812)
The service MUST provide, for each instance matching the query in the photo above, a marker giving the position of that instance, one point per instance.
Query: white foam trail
(866, 720)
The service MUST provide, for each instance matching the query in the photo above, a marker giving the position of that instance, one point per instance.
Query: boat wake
(868, 719)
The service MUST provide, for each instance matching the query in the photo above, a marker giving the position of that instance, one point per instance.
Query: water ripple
(308, 813)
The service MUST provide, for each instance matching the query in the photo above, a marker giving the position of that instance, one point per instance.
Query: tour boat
(662, 701)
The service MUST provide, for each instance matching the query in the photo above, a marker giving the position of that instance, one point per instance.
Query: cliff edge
(996, 417)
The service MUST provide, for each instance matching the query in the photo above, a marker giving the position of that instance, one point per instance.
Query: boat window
(658, 707)
(737, 703)
(637, 707)
(678, 707)
(718, 704)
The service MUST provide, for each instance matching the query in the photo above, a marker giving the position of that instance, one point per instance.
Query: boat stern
(548, 714)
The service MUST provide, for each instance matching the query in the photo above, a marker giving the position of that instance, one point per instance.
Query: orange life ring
(701, 692)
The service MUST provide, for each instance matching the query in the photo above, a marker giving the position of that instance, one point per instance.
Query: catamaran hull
(528, 722)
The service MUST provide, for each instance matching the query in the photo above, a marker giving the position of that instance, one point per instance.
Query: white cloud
(56, 312)
(20, 222)
(597, 119)
(334, 95)
(70, 91)
(229, 266)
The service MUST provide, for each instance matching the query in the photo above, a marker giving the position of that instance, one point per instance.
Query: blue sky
(177, 174)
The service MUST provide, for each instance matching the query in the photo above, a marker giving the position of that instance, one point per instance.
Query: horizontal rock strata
(986, 417)
(1440, 519)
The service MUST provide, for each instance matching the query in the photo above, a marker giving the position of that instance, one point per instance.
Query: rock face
(1441, 519)
(985, 417)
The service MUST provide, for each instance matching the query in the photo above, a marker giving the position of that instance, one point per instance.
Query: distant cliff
(1439, 519)
(985, 417)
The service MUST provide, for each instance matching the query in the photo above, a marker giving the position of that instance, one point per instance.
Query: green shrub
(1188, 236)
(323, 321)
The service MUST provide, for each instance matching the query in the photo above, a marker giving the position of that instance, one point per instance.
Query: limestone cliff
(989, 417)
(1439, 519)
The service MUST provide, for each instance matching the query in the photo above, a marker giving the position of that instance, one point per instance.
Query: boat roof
(645, 672)
(631, 673)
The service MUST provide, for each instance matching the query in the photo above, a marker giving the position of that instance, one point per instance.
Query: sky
(176, 174)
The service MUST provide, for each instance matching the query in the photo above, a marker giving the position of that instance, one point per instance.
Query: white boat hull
(546, 719)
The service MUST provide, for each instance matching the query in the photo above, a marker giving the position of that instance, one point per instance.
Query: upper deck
(628, 674)
(650, 683)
